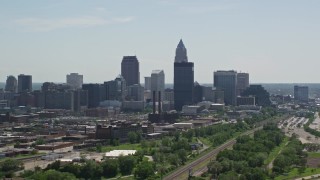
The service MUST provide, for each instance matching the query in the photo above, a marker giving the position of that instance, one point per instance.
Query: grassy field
(205, 141)
(275, 152)
(22, 156)
(314, 155)
(122, 147)
(295, 174)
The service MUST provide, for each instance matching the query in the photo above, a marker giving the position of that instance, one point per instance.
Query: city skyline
(273, 41)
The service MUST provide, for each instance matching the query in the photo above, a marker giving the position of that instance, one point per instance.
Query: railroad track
(211, 154)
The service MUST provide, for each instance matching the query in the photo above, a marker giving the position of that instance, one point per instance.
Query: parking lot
(294, 125)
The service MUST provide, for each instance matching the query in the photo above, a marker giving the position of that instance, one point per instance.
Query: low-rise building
(117, 153)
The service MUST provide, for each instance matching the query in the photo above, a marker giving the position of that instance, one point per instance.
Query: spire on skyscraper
(181, 53)
(181, 45)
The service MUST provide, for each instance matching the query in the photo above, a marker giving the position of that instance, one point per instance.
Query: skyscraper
(227, 81)
(147, 83)
(301, 93)
(24, 83)
(75, 80)
(183, 78)
(181, 53)
(96, 94)
(116, 89)
(130, 70)
(242, 82)
(157, 83)
(11, 84)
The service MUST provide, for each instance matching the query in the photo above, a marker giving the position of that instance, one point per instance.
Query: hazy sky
(273, 40)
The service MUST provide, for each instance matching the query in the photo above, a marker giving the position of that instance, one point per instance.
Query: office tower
(181, 53)
(116, 89)
(169, 95)
(147, 83)
(95, 94)
(130, 70)
(75, 80)
(11, 84)
(135, 93)
(197, 93)
(301, 93)
(59, 100)
(157, 83)
(183, 78)
(207, 93)
(262, 97)
(24, 83)
(227, 81)
(242, 82)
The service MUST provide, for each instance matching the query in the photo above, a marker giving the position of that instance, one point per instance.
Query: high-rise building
(135, 93)
(301, 93)
(11, 84)
(207, 93)
(183, 78)
(96, 94)
(157, 84)
(130, 70)
(181, 53)
(75, 80)
(227, 81)
(262, 97)
(242, 82)
(197, 93)
(116, 89)
(24, 83)
(147, 83)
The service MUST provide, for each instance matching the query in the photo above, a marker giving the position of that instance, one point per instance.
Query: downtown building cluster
(125, 93)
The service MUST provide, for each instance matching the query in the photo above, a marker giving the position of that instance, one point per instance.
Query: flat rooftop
(117, 153)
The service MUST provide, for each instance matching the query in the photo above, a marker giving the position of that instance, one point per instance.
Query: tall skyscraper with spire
(181, 53)
(183, 78)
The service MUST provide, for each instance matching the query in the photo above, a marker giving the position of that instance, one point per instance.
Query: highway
(185, 169)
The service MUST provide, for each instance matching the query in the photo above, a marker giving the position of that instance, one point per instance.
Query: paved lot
(291, 125)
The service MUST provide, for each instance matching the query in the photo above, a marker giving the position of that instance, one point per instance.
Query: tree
(9, 166)
(144, 170)
(174, 159)
(126, 164)
(182, 154)
(139, 136)
(99, 147)
(52, 175)
(231, 175)
(40, 141)
(110, 168)
(55, 165)
(72, 168)
(91, 170)
(132, 136)
(214, 167)
(166, 141)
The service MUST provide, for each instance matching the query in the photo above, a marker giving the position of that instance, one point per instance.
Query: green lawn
(122, 147)
(275, 152)
(205, 141)
(295, 174)
(22, 156)
(314, 155)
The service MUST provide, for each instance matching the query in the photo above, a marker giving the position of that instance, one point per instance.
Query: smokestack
(159, 103)
(154, 102)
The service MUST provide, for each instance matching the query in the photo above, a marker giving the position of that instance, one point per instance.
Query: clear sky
(273, 40)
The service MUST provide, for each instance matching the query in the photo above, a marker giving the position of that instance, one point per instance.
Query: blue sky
(273, 40)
